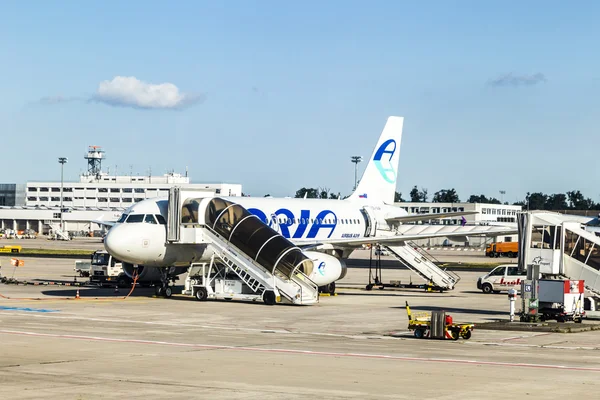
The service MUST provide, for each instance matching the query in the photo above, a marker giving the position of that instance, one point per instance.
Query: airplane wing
(430, 231)
(102, 222)
(426, 217)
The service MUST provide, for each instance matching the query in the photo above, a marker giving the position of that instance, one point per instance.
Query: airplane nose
(117, 243)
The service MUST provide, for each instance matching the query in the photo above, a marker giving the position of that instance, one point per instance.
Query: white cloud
(511, 79)
(128, 91)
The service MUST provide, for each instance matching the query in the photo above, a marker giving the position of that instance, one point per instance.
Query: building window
(103, 200)
(55, 199)
(32, 189)
(43, 199)
(137, 200)
(218, 191)
(127, 190)
(55, 215)
(114, 200)
(138, 190)
(32, 199)
(55, 189)
(115, 190)
(103, 190)
(67, 189)
(127, 200)
(44, 189)
(68, 199)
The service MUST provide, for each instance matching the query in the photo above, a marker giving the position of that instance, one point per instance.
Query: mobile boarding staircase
(59, 234)
(416, 259)
(250, 260)
(423, 264)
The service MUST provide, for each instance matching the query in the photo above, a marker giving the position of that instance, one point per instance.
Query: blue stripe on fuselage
(302, 222)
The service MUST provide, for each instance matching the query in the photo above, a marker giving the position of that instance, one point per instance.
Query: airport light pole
(502, 193)
(62, 161)
(356, 160)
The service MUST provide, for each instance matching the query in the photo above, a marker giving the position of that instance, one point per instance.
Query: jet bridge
(268, 266)
(556, 246)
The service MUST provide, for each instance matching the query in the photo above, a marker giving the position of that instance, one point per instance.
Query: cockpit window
(133, 218)
(122, 218)
(160, 219)
(150, 219)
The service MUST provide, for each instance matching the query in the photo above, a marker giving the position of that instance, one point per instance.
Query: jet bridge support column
(173, 215)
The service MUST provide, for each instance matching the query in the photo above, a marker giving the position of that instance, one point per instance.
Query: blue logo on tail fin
(386, 169)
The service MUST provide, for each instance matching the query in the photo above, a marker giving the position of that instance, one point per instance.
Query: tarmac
(351, 346)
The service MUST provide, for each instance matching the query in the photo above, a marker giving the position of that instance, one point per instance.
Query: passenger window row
(291, 221)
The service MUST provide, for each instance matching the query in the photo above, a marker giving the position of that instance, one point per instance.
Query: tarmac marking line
(306, 352)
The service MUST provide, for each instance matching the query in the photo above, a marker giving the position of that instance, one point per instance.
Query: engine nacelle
(327, 268)
(150, 274)
(144, 273)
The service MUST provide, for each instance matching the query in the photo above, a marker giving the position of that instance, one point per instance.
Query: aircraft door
(370, 223)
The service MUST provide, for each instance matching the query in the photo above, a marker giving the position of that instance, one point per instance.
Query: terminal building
(486, 214)
(98, 196)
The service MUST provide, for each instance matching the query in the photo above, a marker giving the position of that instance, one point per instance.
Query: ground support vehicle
(437, 325)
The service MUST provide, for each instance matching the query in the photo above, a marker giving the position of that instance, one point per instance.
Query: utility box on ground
(561, 299)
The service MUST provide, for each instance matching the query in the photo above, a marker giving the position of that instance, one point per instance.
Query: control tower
(94, 158)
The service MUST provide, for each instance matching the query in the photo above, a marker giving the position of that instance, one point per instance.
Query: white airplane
(326, 230)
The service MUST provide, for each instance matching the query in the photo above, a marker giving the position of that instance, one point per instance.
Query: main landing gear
(329, 289)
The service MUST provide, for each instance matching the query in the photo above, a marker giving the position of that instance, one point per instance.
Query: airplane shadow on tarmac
(109, 293)
(87, 292)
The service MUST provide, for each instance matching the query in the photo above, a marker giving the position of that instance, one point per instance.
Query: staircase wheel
(269, 297)
(201, 294)
(419, 333)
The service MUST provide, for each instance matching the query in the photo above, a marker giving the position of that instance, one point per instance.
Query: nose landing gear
(164, 290)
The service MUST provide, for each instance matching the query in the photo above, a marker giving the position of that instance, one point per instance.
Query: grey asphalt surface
(103, 346)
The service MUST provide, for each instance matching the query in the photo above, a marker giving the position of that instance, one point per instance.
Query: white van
(501, 278)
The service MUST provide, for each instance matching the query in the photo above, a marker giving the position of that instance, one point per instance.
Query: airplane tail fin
(378, 182)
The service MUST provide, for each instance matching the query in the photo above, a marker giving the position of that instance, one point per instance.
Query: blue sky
(276, 95)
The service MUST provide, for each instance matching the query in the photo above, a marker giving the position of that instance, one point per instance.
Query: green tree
(418, 196)
(398, 197)
(536, 201)
(482, 199)
(578, 202)
(557, 201)
(311, 193)
(446, 196)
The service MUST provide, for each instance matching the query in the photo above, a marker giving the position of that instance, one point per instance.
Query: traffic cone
(77, 294)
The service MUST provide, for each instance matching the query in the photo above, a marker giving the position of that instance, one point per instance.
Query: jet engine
(327, 269)
(150, 274)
